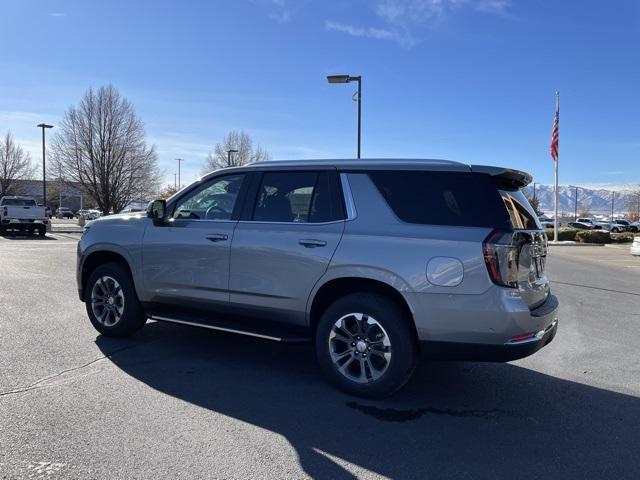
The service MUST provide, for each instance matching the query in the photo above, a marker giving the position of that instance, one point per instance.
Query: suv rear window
(521, 214)
(447, 198)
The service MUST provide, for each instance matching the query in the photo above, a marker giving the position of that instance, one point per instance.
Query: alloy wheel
(107, 301)
(360, 347)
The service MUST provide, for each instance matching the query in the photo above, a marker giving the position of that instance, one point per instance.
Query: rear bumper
(545, 316)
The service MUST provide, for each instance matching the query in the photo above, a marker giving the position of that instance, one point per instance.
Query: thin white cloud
(400, 17)
(282, 10)
(57, 15)
(354, 31)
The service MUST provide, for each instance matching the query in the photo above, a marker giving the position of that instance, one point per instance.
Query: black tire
(132, 318)
(42, 231)
(393, 320)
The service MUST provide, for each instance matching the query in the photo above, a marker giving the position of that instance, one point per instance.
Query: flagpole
(555, 188)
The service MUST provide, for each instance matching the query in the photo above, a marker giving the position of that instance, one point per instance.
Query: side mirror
(157, 209)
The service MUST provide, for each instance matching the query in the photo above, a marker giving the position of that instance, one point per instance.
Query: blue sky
(468, 80)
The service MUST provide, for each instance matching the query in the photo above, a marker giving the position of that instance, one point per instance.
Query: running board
(274, 337)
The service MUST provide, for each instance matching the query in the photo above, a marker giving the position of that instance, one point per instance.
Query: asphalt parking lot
(177, 402)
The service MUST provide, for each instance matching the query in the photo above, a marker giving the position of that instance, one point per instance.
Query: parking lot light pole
(229, 152)
(575, 208)
(348, 79)
(179, 160)
(44, 126)
(613, 201)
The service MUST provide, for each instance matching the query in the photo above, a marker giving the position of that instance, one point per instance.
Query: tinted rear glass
(19, 202)
(521, 213)
(443, 198)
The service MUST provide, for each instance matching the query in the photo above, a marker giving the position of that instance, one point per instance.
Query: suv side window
(299, 197)
(443, 198)
(214, 200)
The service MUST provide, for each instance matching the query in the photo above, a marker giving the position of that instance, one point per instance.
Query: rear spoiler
(505, 178)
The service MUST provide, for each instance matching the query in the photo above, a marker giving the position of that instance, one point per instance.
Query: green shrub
(624, 237)
(564, 234)
(593, 236)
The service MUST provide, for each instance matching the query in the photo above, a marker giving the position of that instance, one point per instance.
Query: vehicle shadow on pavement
(453, 420)
(35, 238)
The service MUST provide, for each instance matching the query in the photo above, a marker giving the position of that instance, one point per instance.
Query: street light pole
(534, 191)
(613, 201)
(229, 152)
(179, 160)
(43, 126)
(575, 209)
(348, 79)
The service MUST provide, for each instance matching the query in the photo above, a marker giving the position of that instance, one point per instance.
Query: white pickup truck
(24, 214)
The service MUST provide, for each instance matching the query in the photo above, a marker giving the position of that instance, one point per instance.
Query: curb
(574, 244)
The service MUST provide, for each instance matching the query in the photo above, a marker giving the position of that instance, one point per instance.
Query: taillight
(501, 258)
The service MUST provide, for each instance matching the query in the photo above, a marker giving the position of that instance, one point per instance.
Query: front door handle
(217, 237)
(311, 243)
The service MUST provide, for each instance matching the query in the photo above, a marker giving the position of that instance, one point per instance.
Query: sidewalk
(65, 226)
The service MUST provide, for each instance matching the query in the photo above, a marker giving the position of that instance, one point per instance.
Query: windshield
(19, 202)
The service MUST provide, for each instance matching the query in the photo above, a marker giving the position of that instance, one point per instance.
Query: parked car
(622, 225)
(64, 212)
(580, 225)
(22, 214)
(587, 220)
(373, 261)
(88, 214)
(635, 246)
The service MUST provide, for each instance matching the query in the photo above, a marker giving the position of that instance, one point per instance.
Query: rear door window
(298, 197)
(443, 198)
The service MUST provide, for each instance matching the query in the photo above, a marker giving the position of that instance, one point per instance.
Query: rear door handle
(217, 237)
(311, 243)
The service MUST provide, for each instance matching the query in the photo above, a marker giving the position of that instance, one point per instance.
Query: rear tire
(112, 303)
(365, 345)
(42, 231)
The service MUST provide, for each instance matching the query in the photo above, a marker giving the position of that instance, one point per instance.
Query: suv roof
(508, 177)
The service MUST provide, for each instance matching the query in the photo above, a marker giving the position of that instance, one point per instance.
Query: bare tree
(246, 153)
(100, 144)
(167, 192)
(535, 203)
(15, 164)
(632, 204)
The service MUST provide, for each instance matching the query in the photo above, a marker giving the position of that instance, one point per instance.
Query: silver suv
(375, 261)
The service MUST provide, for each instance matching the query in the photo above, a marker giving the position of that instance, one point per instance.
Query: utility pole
(179, 160)
(175, 181)
(60, 187)
(43, 126)
(534, 191)
(613, 199)
(575, 210)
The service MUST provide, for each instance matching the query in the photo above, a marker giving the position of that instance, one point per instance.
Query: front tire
(111, 301)
(365, 345)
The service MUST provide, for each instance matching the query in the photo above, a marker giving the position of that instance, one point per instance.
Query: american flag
(554, 132)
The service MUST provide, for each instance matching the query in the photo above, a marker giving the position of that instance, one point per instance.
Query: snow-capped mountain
(595, 200)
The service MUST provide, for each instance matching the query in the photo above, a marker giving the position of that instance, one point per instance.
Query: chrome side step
(227, 329)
